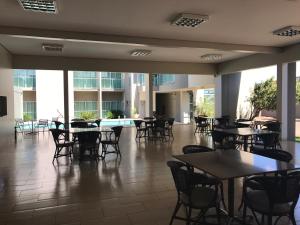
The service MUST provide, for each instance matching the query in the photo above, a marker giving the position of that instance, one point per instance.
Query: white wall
(49, 94)
(71, 94)
(6, 89)
(18, 103)
(200, 81)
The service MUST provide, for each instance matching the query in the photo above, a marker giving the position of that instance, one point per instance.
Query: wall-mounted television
(3, 106)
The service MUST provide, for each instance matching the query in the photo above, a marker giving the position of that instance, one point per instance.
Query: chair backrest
(138, 123)
(77, 120)
(58, 135)
(58, 124)
(277, 154)
(279, 189)
(269, 139)
(188, 149)
(149, 118)
(160, 123)
(171, 121)
(218, 136)
(79, 124)
(117, 132)
(180, 175)
(88, 138)
(19, 122)
(98, 121)
(273, 126)
(43, 122)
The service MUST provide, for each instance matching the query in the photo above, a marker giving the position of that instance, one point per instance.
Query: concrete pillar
(287, 90)
(149, 94)
(99, 94)
(218, 96)
(66, 98)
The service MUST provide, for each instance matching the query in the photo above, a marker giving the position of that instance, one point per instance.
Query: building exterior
(98, 93)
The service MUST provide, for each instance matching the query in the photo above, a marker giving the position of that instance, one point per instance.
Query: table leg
(245, 143)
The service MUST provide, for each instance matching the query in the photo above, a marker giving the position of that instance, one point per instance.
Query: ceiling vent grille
(189, 20)
(140, 52)
(288, 31)
(211, 57)
(52, 47)
(45, 6)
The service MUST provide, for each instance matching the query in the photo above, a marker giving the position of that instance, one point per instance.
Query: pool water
(104, 122)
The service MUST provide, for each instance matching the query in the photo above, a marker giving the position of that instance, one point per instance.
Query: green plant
(263, 96)
(205, 107)
(88, 115)
(298, 92)
(114, 114)
(27, 117)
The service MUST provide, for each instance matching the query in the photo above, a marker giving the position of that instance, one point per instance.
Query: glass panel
(163, 79)
(85, 106)
(25, 78)
(85, 80)
(111, 105)
(29, 110)
(111, 80)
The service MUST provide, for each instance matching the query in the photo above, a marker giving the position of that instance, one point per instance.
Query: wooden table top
(233, 163)
(247, 131)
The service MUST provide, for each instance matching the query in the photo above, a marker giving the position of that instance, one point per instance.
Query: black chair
(112, 139)
(159, 130)
(222, 140)
(202, 125)
(198, 177)
(169, 128)
(98, 121)
(79, 124)
(77, 120)
(141, 132)
(59, 137)
(89, 141)
(266, 141)
(273, 196)
(274, 126)
(222, 122)
(273, 154)
(59, 125)
(190, 196)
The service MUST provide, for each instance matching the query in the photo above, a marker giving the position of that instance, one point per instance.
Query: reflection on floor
(137, 190)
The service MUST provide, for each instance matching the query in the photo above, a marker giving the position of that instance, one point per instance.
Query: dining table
(244, 132)
(231, 164)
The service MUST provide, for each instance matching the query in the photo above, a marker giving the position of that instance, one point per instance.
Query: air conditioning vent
(140, 52)
(189, 20)
(211, 57)
(288, 31)
(52, 47)
(45, 6)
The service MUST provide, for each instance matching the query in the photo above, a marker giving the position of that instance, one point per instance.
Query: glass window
(85, 106)
(112, 80)
(29, 110)
(24, 78)
(85, 80)
(111, 105)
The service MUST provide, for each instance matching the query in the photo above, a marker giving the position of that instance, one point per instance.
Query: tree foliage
(263, 96)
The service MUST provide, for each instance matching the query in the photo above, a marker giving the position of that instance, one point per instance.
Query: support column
(66, 99)
(287, 90)
(99, 94)
(218, 96)
(149, 94)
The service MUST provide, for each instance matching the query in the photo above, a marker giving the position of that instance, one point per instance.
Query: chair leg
(177, 207)
(244, 213)
(218, 213)
(269, 219)
(188, 214)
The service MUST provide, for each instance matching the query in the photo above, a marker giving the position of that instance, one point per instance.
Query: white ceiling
(248, 22)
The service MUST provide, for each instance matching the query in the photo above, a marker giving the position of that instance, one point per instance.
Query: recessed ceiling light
(189, 20)
(140, 52)
(211, 57)
(288, 31)
(46, 6)
(52, 47)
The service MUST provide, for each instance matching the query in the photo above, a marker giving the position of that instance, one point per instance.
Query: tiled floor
(136, 190)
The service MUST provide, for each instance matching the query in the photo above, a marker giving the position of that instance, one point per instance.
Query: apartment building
(100, 92)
